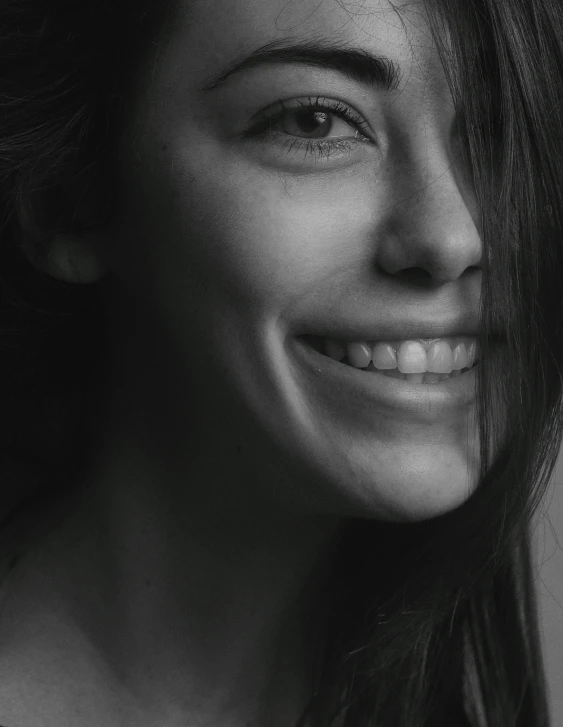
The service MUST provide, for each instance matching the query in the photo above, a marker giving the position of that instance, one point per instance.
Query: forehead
(220, 31)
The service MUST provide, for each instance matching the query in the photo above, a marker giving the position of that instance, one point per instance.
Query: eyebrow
(357, 64)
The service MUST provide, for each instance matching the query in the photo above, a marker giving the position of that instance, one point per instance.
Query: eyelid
(320, 148)
(335, 106)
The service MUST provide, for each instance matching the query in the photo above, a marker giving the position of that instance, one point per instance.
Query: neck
(191, 558)
(197, 602)
(191, 587)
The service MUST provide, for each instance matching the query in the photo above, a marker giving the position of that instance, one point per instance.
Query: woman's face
(244, 229)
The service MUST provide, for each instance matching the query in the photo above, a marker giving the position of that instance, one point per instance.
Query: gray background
(548, 556)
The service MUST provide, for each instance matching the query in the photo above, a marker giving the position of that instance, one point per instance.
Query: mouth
(363, 361)
(425, 397)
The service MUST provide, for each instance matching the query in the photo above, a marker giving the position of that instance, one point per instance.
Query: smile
(425, 395)
(422, 361)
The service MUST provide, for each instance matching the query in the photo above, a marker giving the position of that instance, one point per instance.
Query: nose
(430, 229)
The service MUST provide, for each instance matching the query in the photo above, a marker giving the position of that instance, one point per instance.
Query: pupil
(312, 121)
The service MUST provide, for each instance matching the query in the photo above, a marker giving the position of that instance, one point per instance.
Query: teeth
(438, 357)
(384, 356)
(359, 354)
(334, 349)
(463, 355)
(411, 358)
(422, 378)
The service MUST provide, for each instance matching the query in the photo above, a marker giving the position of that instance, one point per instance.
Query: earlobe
(72, 259)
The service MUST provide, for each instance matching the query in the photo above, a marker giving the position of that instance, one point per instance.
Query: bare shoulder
(40, 686)
(37, 689)
(48, 674)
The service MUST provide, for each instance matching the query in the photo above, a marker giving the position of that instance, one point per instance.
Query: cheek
(258, 236)
(252, 239)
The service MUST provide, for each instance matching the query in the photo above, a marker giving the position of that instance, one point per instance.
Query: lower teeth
(425, 378)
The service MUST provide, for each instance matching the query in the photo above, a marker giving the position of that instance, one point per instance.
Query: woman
(222, 224)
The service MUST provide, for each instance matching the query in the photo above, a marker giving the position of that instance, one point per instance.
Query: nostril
(419, 276)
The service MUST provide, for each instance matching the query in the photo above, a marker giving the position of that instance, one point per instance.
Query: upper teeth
(437, 355)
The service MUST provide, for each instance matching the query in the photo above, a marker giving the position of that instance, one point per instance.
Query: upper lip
(396, 331)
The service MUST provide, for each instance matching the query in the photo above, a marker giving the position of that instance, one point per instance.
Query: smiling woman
(282, 346)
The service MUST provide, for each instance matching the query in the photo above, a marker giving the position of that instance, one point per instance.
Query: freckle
(147, 583)
(239, 449)
(164, 147)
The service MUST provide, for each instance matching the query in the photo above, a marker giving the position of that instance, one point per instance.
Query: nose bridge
(439, 193)
(434, 213)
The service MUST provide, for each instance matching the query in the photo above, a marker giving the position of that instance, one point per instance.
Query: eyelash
(318, 149)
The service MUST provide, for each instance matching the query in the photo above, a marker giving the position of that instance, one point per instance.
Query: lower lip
(426, 399)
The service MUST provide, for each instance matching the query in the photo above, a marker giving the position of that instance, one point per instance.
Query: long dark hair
(428, 624)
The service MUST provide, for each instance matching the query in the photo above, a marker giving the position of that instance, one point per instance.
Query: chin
(430, 498)
(417, 489)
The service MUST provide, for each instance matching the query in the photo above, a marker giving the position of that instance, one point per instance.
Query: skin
(170, 593)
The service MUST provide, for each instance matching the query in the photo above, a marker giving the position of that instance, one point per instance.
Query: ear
(70, 257)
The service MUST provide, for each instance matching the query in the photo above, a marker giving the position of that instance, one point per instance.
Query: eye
(314, 117)
(307, 124)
